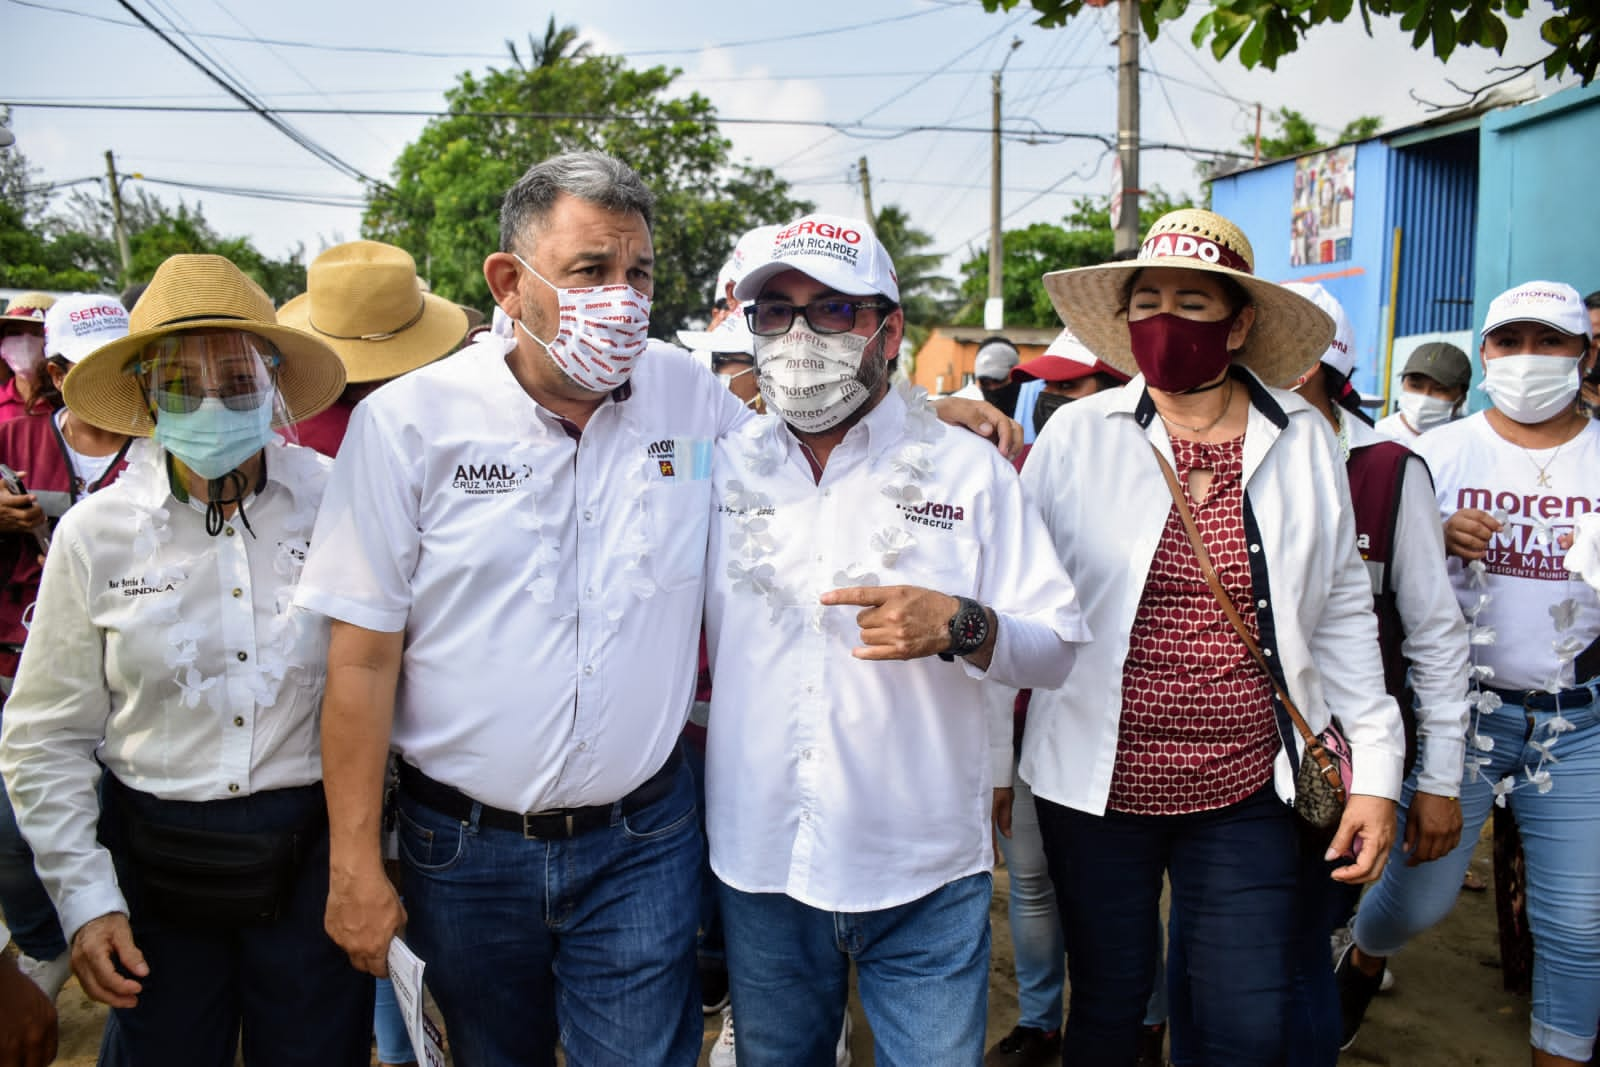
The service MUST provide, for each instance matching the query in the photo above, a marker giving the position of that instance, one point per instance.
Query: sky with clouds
(880, 68)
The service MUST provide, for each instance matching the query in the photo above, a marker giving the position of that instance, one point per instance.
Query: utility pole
(994, 307)
(116, 215)
(866, 193)
(1128, 123)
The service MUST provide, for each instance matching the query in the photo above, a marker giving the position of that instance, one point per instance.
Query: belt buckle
(528, 829)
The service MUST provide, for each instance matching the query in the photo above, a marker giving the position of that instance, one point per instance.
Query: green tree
(1084, 239)
(1296, 134)
(558, 46)
(925, 294)
(1265, 30)
(447, 184)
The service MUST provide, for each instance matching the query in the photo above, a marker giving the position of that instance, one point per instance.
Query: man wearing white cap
(751, 243)
(859, 551)
(729, 350)
(1510, 482)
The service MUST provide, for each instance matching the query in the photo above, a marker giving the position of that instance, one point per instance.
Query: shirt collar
(1135, 399)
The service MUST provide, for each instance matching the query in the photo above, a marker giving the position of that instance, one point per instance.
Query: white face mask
(727, 383)
(811, 380)
(1531, 389)
(1425, 412)
(603, 330)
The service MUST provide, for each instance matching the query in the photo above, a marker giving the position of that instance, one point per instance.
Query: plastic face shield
(180, 370)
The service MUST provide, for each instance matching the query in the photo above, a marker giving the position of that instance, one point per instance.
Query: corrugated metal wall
(1433, 198)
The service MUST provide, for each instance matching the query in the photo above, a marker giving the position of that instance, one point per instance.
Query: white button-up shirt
(173, 657)
(549, 587)
(848, 784)
(1105, 502)
(1435, 634)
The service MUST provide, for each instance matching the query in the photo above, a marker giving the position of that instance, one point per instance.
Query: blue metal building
(1416, 230)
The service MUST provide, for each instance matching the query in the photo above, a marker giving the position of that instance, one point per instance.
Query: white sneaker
(1386, 983)
(722, 1053)
(48, 975)
(841, 1051)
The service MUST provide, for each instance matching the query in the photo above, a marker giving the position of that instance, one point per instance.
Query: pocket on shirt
(678, 515)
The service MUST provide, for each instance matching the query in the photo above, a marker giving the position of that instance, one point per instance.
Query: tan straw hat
(1290, 333)
(28, 307)
(196, 292)
(363, 299)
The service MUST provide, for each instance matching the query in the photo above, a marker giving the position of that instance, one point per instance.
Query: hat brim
(100, 391)
(1289, 335)
(436, 334)
(1049, 368)
(833, 275)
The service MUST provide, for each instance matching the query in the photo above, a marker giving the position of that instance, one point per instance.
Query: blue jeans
(595, 934)
(710, 941)
(1561, 841)
(922, 971)
(23, 900)
(284, 989)
(1235, 877)
(1031, 912)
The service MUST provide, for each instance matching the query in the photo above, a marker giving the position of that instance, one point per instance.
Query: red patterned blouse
(1197, 730)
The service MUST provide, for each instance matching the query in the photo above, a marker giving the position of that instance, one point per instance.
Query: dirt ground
(1447, 1008)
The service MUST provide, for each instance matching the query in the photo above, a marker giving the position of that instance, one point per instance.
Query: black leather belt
(557, 824)
(1539, 700)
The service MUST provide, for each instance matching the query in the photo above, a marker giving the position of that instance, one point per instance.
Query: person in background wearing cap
(730, 350)
(190, 877)
(1510, 482)
(1423, 639)
(24, 387)
(1433, 392)
(1067, 371)
(363, 299)
(1163, 753)
(991, 375)
(860, 552)
(63, 459)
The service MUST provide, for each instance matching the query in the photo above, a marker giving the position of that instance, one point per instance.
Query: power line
(340, 200)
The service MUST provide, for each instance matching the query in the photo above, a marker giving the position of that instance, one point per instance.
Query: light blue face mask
(214, 439)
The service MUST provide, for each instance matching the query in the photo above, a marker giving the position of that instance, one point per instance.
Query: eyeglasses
(179, 371)
(773, 318)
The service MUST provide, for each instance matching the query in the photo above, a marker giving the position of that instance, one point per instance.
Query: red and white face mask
(603, 331)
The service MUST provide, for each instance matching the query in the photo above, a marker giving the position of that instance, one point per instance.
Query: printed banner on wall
(1324, 207)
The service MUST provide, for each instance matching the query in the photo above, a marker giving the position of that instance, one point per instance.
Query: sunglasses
(179, 371)
(773, 318)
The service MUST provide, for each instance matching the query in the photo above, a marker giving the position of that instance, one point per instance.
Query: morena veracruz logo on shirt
(934, 514)
(490, 479)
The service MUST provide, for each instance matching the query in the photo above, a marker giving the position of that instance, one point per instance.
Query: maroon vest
(1376, 473)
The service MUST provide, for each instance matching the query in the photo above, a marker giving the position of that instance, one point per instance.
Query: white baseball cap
(750, 246)
(1341, 353)
(731, 335)
(79, 323)
(1554, 304)
(841, 253)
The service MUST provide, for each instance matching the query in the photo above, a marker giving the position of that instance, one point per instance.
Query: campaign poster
(1324, 207)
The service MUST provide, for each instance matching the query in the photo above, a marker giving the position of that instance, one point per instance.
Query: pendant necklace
(1227, 402)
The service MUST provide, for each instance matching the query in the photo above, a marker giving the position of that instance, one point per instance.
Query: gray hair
(590, 176)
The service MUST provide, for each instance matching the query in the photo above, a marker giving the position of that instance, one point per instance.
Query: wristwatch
(969, 629)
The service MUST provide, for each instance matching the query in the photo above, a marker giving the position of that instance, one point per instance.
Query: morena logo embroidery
(931, 513)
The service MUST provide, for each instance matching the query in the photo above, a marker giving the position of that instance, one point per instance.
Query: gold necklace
(1227, 402)
(1544, 468)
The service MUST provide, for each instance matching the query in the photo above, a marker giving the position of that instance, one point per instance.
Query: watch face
(969, 627)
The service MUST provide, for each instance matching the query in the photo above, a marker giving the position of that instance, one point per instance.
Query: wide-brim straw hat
(363, 299)
(197, 292)
(28, 307)
(1290, 333)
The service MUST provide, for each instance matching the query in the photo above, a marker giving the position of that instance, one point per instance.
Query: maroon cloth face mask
(1176, 354)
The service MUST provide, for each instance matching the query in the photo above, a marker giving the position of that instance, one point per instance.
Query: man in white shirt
(848, 797)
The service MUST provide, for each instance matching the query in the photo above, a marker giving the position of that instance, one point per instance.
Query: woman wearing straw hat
(1167, 751)
(165, 650)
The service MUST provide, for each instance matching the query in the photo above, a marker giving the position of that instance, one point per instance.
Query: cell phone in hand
(13, 483)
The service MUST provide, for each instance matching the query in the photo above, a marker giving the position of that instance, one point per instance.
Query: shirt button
(243, 656)
(588, 670)
(1262, 604)
(237, 593)
(805, 753)
(588, 516)
(238, 720)
(1255, 548)
(1266, 651)
(811, 689)
(228, 530)
(233, 787)
(588, 591)
(583, 746)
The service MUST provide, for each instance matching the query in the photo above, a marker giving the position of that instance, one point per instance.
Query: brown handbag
(1319, 786)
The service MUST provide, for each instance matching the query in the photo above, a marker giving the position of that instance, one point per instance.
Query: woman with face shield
(164, 649)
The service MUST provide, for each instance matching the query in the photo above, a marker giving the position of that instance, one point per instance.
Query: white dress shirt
(848, 784)
(173, 657)
(1435, 634)
(549, 588)
(1105, 502)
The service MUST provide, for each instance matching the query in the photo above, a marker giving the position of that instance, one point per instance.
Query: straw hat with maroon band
(198, 292)
(363, 299)
(28, 307)
(1290, 332)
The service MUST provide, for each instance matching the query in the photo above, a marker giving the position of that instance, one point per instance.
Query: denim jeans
(922, 971)
(23, 900)
(1031, 912)
(1234, 874)
(710, 941)
(594, 935)
(283, 989)
(1561, 841)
